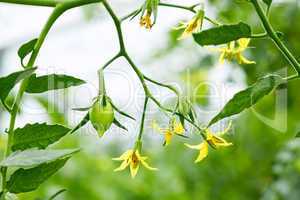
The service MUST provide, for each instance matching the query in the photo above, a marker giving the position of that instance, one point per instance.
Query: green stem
(57, 12)
(123, 51)
(139, 138)
(13, 115)
(172, 111)
(191, 9)
(111, 60)
(47, 3)
(117, 23)
(271, 32)
(139, 74)
(292, 77)
(170, 87)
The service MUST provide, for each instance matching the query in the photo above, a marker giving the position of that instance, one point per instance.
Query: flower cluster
(234, 50)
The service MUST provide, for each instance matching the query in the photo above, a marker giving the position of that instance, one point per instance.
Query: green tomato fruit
(101, 116)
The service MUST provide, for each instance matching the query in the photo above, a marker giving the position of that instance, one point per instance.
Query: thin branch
(57, 12)
(47, 3)
(191, 9)
(272, 33)
(170, 87)
(143, 119)
(111, 60)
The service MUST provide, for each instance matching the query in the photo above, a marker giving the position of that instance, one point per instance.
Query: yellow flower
(193, 26)
(211, 139)
(231, 51)
(133, 159)
(175, 128)
(150, 7)
(145, 21)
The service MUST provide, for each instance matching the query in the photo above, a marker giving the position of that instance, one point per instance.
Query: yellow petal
(181, 25)
(123, 166)
(203, 152)
(178, 128)
(222, 57)
(242, 60)
(168, 137)
(217, 141)
(133, 169)
(190, 28)
(125, 155)
(147, 166)
(198, 146)
(145, 21)
(243, 43)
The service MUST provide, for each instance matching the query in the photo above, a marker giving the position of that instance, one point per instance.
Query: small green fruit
(101, 116)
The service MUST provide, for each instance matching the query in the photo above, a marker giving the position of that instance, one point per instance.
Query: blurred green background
(263, 163)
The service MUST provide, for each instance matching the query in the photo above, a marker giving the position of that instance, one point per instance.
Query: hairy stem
(272, 33)
(60, 8)
(117, 23)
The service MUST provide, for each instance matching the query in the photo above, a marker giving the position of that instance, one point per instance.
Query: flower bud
(101, 115)
(149, 8)
(184, 106)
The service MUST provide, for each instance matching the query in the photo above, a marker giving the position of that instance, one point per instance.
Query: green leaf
(51, 82)
(83, 122)
(223, 34)
(33, 157)
(248, 97)
(298, 135)
(26, 180)
(268, 2)
(26, 49)
(37, 135)
(7, 83)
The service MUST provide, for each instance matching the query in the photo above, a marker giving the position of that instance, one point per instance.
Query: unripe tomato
(101, 116)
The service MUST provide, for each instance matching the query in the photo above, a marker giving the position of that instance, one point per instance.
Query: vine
(234, 37)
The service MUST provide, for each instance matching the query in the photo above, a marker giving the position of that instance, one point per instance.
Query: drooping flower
(234, 50)
(133, 159)
(174, 128)
(193, 26)
(214, 140)
(149, 8)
